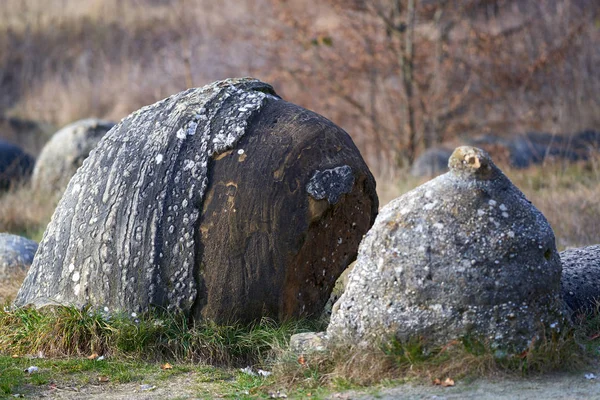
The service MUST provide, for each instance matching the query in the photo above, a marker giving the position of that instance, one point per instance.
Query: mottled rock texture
(431, 162)
(581, 278)
(64, 154)
(15, 165)
(224, 202)
(464, 254)
(16, 255)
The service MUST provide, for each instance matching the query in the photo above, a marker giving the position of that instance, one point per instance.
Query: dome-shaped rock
(15, 165)
(581, 278)
(465, 254)
(16, 255)
(225, 202)
(64, 153)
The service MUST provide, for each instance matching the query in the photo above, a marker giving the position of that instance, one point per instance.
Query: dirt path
(558, 386)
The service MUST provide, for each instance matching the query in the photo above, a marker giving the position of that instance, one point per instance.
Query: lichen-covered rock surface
(581, 277)
(465, 254)
(224, 202)
(16, 255)
(15, 165)
(64, 154)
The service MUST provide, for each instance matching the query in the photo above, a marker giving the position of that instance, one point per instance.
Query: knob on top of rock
(224, 202)
(465, 254)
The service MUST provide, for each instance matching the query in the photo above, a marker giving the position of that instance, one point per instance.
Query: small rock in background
(465, 254)
(16, 256)
(581, 278)
(16, 166)
(431, 162)
(308, 342)
(64, 154)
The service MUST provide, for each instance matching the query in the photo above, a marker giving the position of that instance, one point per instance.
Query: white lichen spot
(492, 202)
(184, 203)
(71, 268)
(75, 276)
(510, 234)
(188, 164)
(430, 206)
(240, 151)
(159, 158)
(480, 212)
(505, 214)
(76, 289)
(438, 225)
(181, 133)
(134, 315)
(503, 207)
(340, 240)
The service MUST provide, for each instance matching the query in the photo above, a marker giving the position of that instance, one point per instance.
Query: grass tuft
(69, 331)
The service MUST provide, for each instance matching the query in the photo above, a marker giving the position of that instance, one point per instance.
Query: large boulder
(15, 165)
(224, 202)
(64, 154)
(465, 254)
(16, 255)
(581, 278)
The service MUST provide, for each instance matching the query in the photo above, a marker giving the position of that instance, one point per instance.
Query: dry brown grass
(9, 288)
(23, 212)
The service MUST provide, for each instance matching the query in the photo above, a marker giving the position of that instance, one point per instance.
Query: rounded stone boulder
(16, 255)
(223, 202)
(15, 165)
(64, 154)
(581, 278)
(464, 255)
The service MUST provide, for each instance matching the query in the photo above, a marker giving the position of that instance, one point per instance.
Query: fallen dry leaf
(166, 366)
(103, 378)
(93, 356)
(15, 356)
(448, 382)
(302, 360)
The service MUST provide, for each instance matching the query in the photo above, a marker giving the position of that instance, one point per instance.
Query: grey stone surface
(16, 255)
(15, 165)
(431, 162)
(166, 213)
(308, 342)
(464, 254)
(581, 278)
(64, 154)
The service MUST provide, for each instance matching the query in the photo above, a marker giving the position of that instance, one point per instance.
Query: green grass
(211, 355)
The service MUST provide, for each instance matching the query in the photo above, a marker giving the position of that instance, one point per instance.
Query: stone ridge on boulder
(16, 255)
(465, 254)
(200, 203)
(64, 153)
(581, 278)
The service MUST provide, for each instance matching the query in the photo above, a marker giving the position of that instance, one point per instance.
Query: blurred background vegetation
(399, 76)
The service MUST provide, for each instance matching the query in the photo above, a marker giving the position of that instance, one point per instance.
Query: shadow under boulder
(224, 202)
